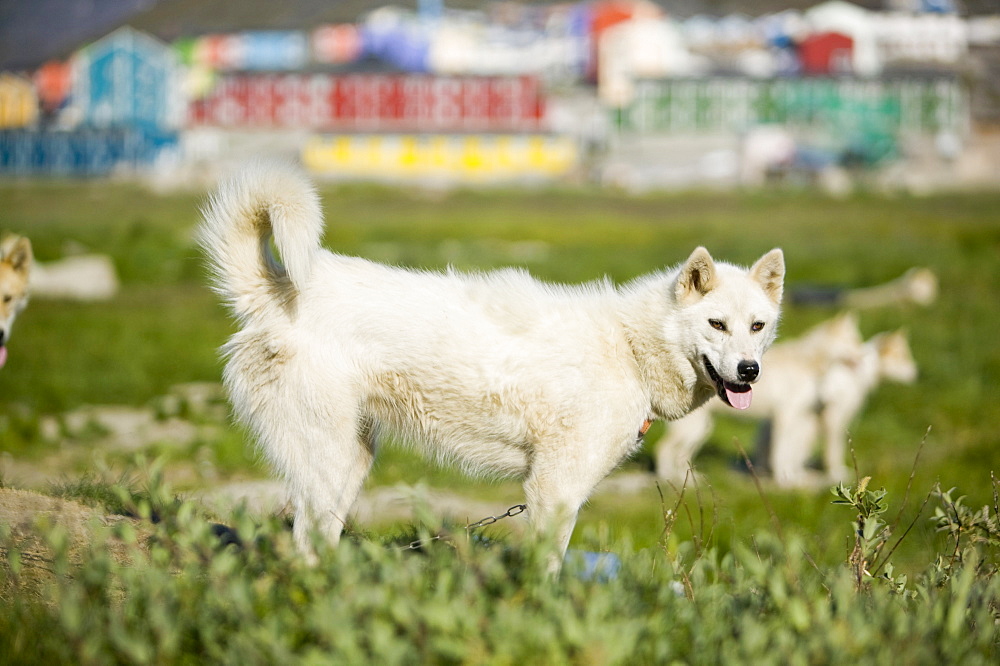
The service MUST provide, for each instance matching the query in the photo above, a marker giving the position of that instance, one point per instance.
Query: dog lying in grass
(15, 270)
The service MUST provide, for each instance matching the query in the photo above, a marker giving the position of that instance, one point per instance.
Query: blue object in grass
(600, 567)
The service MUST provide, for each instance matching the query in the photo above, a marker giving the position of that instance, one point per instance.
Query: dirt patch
(28, 521)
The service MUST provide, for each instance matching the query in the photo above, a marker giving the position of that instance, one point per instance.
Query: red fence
(372, 102)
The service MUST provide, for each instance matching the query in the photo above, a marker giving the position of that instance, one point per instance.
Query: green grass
(748, 595)
(173, 592)
(165, 326)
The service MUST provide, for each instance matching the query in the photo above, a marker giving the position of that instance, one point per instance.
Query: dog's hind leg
(324, 467)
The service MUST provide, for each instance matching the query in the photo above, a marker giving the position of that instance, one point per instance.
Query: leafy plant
(174, 592)
(870, 532)
(965, 526)
(151, 499)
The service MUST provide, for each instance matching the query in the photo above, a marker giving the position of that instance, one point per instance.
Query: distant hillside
(170, 19)
(33, 31)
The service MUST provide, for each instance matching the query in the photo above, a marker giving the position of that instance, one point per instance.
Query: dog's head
(895, 360)
(836, 340)
(15, 269)
(730, 317)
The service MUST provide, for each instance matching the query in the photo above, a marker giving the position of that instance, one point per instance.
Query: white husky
(15, 272)
(499, 372)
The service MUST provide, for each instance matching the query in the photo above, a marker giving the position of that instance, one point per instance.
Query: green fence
(922, 105)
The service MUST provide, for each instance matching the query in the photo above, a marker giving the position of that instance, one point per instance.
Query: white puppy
(498, 372)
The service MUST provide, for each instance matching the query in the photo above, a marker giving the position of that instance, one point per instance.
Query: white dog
(845, 388)
(499, 372)
(789, 395)
(15, 272)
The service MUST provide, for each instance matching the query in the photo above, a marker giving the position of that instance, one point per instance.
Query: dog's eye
(717, 324)
(7, 298)
(757, 326)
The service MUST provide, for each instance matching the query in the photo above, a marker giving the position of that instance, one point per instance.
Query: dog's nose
(3, 336)
(748, 370)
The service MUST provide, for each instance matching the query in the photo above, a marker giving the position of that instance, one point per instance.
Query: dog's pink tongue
(739, 399)
(3, 356)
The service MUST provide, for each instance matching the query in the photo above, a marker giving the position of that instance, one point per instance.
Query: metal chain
(488, 520)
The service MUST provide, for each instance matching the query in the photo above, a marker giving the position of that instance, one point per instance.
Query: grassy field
(165, 327)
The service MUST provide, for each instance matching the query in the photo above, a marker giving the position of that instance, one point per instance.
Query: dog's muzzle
(748, 370)
(737, 396)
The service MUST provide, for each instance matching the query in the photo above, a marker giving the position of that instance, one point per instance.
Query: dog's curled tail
(264, 201)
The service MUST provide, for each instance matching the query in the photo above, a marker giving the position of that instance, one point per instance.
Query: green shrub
(177, 594)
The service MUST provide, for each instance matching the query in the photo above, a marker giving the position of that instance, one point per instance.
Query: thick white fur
(496, 371)
(16, 261)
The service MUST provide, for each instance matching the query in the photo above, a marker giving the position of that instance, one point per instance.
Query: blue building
(127, 80)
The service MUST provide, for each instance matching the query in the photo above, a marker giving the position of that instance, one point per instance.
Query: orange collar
(645, 427)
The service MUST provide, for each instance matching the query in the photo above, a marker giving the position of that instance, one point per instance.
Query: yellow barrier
(18, 102)
(476, 158)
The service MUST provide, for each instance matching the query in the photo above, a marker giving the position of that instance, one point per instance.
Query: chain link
(483, 522)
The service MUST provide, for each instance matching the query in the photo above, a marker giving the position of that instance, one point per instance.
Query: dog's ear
(17, 251)
(844, 324)
(697, 276)
(894, 342)
(769, 273)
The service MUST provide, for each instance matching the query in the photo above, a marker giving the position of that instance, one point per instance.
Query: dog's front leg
(835, 445)
(793, 435)
(552, 525)
(554, 493)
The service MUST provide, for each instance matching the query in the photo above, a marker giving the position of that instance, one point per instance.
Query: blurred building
(356, 85)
